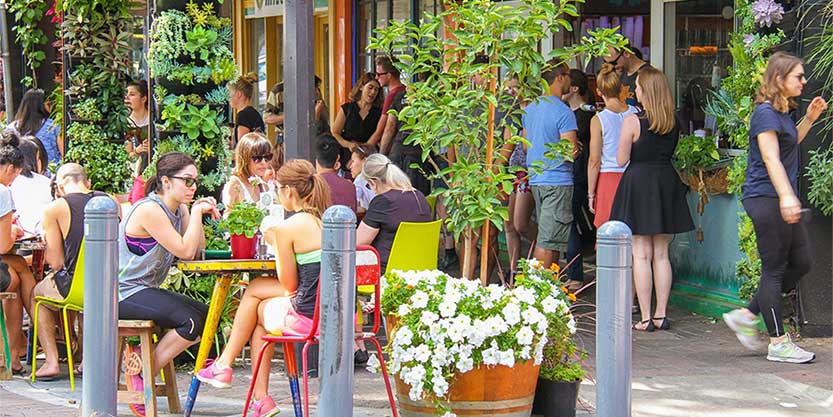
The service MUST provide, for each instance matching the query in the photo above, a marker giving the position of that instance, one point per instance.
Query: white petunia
(571, 324)
(465, 364)
(539, 350)
(373, 364)
(439, 383)
(419, 300)
(447, 308)
(449, 414)
(525, 336)
(403, 336)
(421, 353)
(495, 326)
(403, 311)
(512, 313)
(491, 356)
(526, 295)
(532, 316)
(534, 263)
(549, 305)
(476, 334)
(507, 358)
(415, 394)
(411, 278)
(525, 352)
(428, 318)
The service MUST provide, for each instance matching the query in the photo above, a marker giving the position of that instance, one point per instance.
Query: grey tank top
(137, 272)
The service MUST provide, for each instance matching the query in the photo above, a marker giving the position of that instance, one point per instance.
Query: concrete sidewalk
(697, 369)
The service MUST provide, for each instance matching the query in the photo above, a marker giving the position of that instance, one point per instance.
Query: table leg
(215, 309)
(292, 373)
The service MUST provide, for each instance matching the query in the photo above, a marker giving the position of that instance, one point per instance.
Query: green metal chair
(6, 371)
(74, 302)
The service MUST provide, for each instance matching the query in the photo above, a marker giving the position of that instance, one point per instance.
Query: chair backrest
(368, 272)
(76, 288)
(415, 246)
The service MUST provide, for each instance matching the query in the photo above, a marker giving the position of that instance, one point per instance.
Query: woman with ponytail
(603, 173)
(20, 279)
(396, 201)
(286, 304)
(248, 119)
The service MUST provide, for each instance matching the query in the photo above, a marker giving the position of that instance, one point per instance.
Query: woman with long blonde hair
(650, 198)
(770, 198)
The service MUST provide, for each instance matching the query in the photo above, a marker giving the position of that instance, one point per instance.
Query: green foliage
(56, 107)
(107, 163)
(218, 96)
(748, 268)
(201, 122)
(695, 153)
(821, 56)
(737, 174)
(199, 41)
(87, 110)
(27, 15)
(820, 175)
(443, 112)
(214, 148)
(243, 219)
(215, 235)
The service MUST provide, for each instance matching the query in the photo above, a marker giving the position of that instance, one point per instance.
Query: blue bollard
(101, 307)
(338, 306)
(614, 274)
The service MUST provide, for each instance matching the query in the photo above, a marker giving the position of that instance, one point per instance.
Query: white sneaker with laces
(745, 329)
(787, 351)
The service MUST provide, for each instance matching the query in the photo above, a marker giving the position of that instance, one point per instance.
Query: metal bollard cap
(339, 215)
(614, 230)
(101, 205)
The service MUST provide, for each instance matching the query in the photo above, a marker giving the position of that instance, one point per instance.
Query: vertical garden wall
(96, 57)
(190, 61)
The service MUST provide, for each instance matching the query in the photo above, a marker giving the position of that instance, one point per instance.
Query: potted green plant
(700, 166)
(242, 222)
(216, 242)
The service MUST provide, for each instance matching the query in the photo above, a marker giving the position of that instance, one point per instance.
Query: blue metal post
(101, 308)
(338, 306)
(614, 273)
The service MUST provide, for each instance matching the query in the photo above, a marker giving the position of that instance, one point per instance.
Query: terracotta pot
(556, 398)
(243, 247)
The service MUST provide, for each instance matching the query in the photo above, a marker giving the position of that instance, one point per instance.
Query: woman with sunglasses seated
(254, 156)
(157, 229)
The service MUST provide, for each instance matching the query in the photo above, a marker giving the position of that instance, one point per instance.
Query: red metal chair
(368, 272)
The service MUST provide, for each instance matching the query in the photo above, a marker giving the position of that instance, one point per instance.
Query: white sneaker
(746, 330)
(787, 351)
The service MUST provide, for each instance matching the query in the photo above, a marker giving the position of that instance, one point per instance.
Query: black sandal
(649, 328)
(665, 324)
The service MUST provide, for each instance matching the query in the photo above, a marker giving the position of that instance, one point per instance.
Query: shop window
(401, 10)
(257, 61)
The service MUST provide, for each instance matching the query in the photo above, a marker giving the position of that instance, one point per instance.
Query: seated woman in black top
(356, 120)
(240, 99)
(396, 201)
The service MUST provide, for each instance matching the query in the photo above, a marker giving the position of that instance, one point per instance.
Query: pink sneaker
(265, 407)
(136, 383)
(215, 376)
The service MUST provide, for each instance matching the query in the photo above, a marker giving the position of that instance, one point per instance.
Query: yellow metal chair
(74, 302)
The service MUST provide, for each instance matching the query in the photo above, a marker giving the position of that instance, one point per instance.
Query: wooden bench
(132, 364)
(5, 351)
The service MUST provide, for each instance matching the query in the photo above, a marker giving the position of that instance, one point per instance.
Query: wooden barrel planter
(497, 391)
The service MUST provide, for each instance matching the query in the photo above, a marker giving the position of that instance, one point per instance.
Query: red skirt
(605, 192)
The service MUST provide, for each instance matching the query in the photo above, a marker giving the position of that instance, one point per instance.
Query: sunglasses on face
(616, 60)
(263, 158)
(189, 182)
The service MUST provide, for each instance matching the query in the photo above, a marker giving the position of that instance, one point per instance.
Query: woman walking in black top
(769, 197)
(651, 198)
(357, 119)
(240, 99)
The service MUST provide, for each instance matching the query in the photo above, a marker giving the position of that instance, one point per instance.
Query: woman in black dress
(240, 98)
(651, 198)
(357, 119)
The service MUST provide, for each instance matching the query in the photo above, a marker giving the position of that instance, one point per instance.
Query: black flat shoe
(360, 358)
(664, 324)
(648, 328)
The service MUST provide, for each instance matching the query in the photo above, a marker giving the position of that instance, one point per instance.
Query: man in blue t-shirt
(548, 121)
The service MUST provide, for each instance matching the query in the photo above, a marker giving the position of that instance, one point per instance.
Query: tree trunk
(468, 257)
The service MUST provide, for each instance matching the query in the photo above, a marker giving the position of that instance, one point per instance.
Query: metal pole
(613, 320)
(7, 64)
(101, 307)
(299, 71)
(338, 304)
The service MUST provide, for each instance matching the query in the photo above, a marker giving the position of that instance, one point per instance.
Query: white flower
(525, 336)
(452, 294)
(507, 358)
(496, 292)
(436, 334)
(411, 278)
(539, 350)
(403, 336)
(422, 353)
(439, 383)
(416, 392)
(495, 326)
(428, 318)
(532, 316)
(476, 334)
(404, 309)
(534, 263)
(413, 376)
(373, 364)
(549, 305)
(571, 324)
(449, 414)
(525, 352)
(457, 331)
(512, 313)
(465, 364)
(526, 295)
(441, 356)
(419, 300)
(542, 326)
(403, 354)
(491, 356)
(447, 308)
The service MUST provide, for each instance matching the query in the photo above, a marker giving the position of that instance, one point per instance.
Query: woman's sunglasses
(263, 158)
(189, 182)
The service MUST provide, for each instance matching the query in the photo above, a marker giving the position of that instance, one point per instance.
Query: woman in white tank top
(253, 156)
(603, 173)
